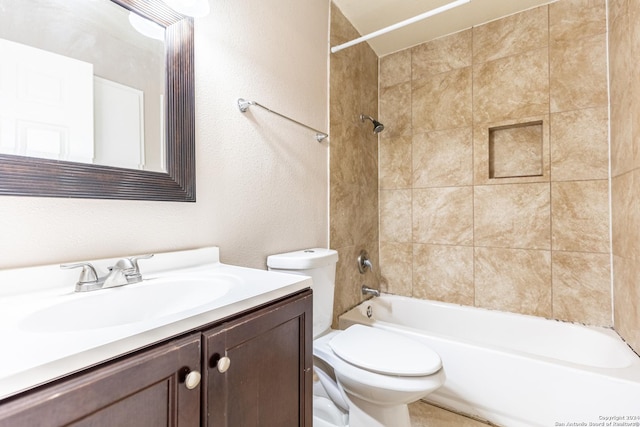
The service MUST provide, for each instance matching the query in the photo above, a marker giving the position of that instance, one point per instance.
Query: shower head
(377, 126)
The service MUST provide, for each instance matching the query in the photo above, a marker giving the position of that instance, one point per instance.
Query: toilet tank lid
(303, 259)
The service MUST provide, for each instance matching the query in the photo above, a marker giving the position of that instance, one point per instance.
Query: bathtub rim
(630, 373)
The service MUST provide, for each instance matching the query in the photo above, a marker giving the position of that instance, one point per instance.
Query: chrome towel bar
(243, 106)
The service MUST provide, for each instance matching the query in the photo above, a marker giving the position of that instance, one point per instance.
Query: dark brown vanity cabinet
(146, 389)
(258, 370)
(264, 379)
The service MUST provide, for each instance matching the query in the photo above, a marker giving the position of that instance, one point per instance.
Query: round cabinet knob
(223, 364)
(192, 380)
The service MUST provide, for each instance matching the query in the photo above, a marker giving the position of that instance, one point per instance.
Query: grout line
(610, 178)
(550, 168)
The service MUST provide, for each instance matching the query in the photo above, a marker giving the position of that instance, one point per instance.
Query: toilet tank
(320, 265)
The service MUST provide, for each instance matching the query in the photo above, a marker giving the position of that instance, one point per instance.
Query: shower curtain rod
(244, 105)
(400, 24)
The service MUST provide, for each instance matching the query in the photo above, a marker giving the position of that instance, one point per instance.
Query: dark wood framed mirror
(29, 176)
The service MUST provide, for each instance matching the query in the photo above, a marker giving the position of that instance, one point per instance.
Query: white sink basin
(182, 290)
(151, 299)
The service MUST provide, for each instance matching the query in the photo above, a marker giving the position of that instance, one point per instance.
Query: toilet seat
(345, 371)
(384, 352)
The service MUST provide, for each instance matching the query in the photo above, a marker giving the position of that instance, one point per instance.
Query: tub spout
(370, 291)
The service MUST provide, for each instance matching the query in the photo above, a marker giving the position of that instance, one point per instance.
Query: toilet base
(367, 414)
(327, 414)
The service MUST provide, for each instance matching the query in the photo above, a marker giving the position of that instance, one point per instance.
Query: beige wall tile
(443, 158)
(395, 162)
(443, 273)
(443, 215)
(395, 68)
(441, 55)
(617, 8)
(345, 161)
(634, 86)
(349, 281)
(396, 268)
(578, 73)
(510, 88)
(624, 48)
(582, 287)
(517, 77)
(482, 152)
(511, 35)
(366, 221)
(624, 156)
(343, 205)
(395, 216)
(513, 280)
(627, 293)
(442, 101)
(573, 19)
(580, 148)
(625, 206)
(580, 216)
(354, 163)
(341, 29)
(624, 151)
(394, 110)
(620, 59)
(512, 216)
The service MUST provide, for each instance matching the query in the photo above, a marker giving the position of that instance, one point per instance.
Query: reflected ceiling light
(194, 8)
(146, 27)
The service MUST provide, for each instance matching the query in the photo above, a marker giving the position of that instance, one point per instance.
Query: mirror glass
(96, 100)
(82, 81)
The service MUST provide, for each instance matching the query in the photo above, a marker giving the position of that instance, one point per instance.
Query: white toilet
(364, 377)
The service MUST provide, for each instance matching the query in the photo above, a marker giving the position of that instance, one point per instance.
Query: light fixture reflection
(146, 27)
(194, 8)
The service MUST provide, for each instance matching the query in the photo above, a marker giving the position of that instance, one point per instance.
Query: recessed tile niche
(516, 150)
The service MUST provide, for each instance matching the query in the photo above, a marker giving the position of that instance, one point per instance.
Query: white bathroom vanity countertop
(33, 355)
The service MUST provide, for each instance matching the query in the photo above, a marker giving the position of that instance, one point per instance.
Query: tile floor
(425, 415)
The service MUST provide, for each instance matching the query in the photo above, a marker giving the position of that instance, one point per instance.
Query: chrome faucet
(125, 272)
(370, 291)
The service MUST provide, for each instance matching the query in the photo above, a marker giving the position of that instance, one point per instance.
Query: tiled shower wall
(353, 184)
(470, 213)
(624, 66)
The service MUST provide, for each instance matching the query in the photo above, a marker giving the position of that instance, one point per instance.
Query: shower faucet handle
(364, 262)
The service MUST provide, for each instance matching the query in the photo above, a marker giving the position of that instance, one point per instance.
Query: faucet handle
(130, 267)
(363, 262)
(131, 263)
(88, 273)
(134, 261)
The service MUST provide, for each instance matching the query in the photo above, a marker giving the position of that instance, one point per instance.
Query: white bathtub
(517, 370)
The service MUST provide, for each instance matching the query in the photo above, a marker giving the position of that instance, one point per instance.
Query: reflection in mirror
(96, 100)
(62, 94)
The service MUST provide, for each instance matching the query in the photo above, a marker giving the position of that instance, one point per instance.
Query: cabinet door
(145, 389)
(268, 381)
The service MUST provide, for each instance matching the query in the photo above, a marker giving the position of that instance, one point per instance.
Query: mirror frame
(28, 176)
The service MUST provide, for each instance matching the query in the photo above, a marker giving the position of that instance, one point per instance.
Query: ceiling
(371, 15)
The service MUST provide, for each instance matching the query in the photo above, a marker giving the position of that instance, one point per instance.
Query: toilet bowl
(379, 373)
(363, 376)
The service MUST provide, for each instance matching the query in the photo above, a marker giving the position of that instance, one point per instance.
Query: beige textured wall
(537, 243)
(354, 162)
(262, 183)
(624, 65)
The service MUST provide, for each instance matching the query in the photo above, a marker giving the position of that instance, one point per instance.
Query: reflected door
(46, 104)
